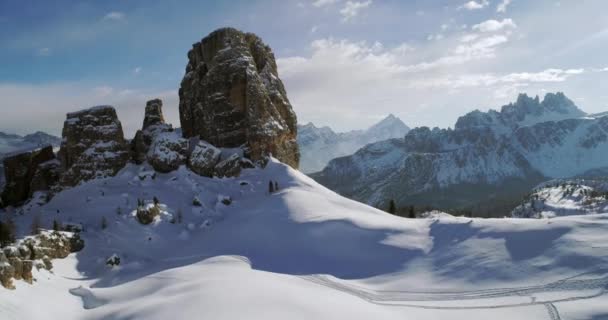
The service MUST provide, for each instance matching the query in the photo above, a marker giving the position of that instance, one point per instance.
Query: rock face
(231, 96)
(157, 142)
(28, 172)
(203, 159)
(93, 145)
(17, 261)
(154, 113)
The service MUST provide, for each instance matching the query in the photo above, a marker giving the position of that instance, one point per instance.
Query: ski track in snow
(408, 298)
(553, 313)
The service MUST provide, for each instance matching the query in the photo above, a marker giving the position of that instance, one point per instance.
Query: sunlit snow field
(304, 252)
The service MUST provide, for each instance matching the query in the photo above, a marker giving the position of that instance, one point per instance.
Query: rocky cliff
(231, 96)
(28, 172)
(93, 145)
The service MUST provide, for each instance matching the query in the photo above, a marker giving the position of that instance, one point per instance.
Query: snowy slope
(565, 197)
(303, 252)
(319, 145)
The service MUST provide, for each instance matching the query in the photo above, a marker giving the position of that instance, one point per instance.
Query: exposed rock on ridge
(93, 145)
(28, 172)
(231, 96)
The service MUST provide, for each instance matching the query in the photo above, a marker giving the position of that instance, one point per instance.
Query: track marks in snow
(410, 298)
(553, 313)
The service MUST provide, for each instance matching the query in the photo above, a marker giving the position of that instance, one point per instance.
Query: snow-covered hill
(488, 155)
(320, 145)
(565, 197)
(302, 252)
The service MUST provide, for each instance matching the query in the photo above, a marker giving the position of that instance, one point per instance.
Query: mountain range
(319, 145)
(490, 159)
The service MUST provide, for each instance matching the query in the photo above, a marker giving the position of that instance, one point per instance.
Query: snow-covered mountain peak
(319, 145)
(525, 111)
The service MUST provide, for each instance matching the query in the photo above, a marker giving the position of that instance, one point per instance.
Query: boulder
(229, 167)
(26, 274)
(167, 152)
(24, 168)
(231, 96)
(203, 158)
(93, 145)
(7, 272)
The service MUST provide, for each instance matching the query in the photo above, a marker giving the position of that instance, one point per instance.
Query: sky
(345, 63)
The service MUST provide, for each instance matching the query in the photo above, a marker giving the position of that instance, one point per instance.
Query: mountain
(319, 145)
(484, 163)
(301, 252)
(12, 143)
(565, 197)
(170, 226)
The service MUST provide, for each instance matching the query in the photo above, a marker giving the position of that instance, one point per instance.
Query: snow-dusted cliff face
(319, 145)
(11, 143)
(487, 153)
(565, 197)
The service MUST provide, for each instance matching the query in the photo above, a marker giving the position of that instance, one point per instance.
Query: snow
(303, 252)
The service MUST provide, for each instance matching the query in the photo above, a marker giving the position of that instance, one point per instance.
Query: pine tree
(104, 223)
(411, 212)
(276, 186)
(36, 225)
(392, 208)
(179, 216)
(7, 233)
(270, 187)
(56, 225)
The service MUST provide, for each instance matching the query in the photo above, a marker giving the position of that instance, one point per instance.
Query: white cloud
(351, 9)
(494, 25)
(115, 15)
(474, 5)
(502, 7)
(44, 52)
(322, 3)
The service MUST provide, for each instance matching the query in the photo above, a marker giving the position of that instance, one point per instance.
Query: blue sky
(345, 64)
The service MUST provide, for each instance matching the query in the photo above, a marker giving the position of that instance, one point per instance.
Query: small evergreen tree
(179, 215)
(36, 225)
(7, 233)
(104, 223)
(119, 211)
(56, 225)
(270, 187)
(411, 212)
(156, 201)
(392, 208)
(276, 186)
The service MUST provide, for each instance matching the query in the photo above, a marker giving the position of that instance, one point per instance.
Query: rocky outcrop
(28, 172)
(18, 260)
(231, 96)
(157, 142)
(167, 152)
(154, 113)
(203, 159)
(93, 145)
